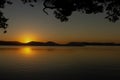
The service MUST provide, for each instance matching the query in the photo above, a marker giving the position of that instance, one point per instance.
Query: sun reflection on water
(26, 50)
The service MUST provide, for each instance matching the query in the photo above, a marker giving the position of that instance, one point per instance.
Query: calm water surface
(59, 63)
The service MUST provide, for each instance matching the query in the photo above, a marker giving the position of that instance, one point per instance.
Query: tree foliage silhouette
(64, 8)
(3, 19)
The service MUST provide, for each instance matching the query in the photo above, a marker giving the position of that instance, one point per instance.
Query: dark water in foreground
(59, 63)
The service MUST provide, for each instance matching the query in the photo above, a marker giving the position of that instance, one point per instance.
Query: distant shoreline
(50, 43)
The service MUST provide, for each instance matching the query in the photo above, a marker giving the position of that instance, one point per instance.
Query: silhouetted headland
(50, 43)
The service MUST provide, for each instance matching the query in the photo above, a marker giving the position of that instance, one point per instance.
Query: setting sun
(27, 40)
(27, 37)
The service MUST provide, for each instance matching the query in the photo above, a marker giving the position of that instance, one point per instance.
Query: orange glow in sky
(26, 38)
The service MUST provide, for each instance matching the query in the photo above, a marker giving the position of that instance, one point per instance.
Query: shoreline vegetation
(50, 43)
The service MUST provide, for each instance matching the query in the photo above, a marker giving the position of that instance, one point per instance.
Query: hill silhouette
(50, 43)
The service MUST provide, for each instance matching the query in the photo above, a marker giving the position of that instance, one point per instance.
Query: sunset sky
(32, 24)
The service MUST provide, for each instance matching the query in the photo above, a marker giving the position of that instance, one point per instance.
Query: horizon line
(61, 43)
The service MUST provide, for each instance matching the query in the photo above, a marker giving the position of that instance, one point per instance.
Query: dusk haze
(31, 23)
(59, 40)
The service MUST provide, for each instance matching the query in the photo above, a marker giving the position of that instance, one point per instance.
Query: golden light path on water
(26, 50)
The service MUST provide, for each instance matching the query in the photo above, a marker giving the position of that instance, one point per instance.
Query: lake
(59, 63)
